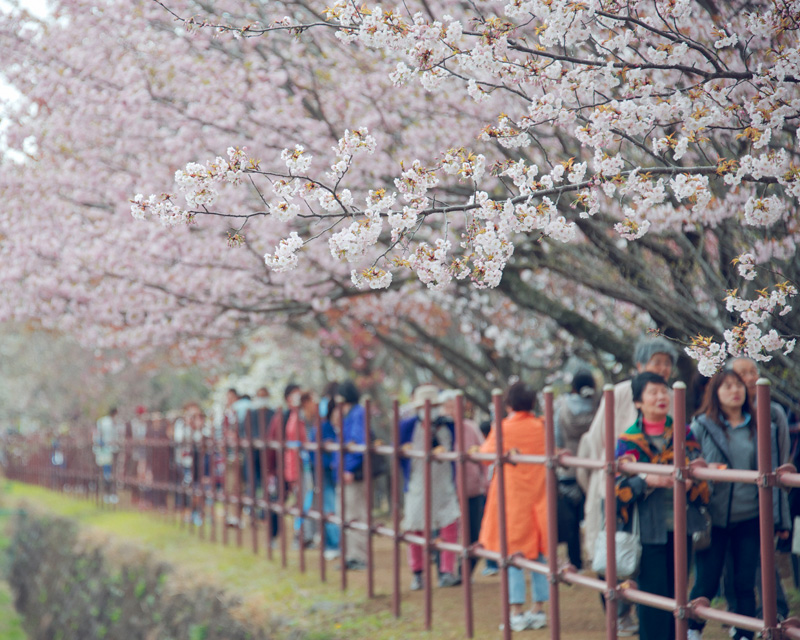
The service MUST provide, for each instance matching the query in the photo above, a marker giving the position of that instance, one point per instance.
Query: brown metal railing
(31, 460)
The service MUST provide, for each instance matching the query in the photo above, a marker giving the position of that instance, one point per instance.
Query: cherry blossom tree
(501, 182)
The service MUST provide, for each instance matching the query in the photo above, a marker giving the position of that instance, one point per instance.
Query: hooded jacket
(715, 446)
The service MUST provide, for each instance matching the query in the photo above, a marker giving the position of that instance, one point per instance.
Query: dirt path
(582, 617)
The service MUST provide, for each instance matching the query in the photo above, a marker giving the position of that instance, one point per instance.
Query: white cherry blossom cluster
(745, 265)
(431, 264)
(634, 226)
(352, 243)
(710, 355)
(691, 187)
(523, 176)
(161, 207)
(297, 160)
(764, 305)
(198, 182)
(373, 278)
(350, 144)
(283, 210)
(774, 164)
(414, 183)
(465, 165)
(285, 256)
(747, 338)
(763, 212)
(492, 249)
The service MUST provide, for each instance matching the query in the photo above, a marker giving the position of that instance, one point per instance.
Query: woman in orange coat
(525, 504)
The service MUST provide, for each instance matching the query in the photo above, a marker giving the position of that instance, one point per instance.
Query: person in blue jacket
(352, 481)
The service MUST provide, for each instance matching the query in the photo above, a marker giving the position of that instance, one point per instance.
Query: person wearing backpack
(572, 419)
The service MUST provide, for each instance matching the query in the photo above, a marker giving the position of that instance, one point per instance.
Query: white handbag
(628, 550)
(796, 536)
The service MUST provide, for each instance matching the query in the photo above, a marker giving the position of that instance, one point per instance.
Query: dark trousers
(570, 514)
(476, 505)
(730, 594)
(743, 540)
(657, 575)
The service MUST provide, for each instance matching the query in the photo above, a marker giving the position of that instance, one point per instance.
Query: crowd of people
(721, 433)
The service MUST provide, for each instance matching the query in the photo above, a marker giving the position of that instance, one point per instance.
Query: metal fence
(33, 460)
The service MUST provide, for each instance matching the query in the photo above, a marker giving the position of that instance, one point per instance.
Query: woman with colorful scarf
(650, 439)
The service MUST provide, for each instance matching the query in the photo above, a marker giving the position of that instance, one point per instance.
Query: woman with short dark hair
(650, 439)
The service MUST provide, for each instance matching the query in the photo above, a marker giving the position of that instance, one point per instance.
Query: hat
(447, 394)
(425, 392)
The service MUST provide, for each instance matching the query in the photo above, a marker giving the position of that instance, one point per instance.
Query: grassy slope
(289, 602)
(10, 621)
(282, 599)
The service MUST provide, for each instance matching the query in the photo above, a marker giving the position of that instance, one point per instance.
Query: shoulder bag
(628, 550)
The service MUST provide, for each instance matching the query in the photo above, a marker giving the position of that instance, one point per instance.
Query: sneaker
(490, 571)
(416, 582)
(627, 626)
(538, 620)
(449, 580)
(355, 565)
(732, 632)
(519, 622)
(694, 634)
(331, 554)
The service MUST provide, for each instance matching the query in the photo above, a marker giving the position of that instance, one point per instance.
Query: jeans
(517, 587)
(743, 540)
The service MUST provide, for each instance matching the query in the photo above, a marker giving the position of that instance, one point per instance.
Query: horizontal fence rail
(217, 478)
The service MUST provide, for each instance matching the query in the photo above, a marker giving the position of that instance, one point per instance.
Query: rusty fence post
(427, 577)
(395, 500)
(612, 592)
(765, 507)
(463, 500)
(680, 549)
(250, 464)
(212, 468)
(368, 489)
(499, 474)
(552, 512)
(342, 503)
(270, 471)
(299, 505)
(202, 482)
(319, 499)
(224, 496)
(281, 466)
(238, 469)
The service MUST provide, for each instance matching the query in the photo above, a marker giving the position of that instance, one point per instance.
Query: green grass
(10, 621)
(282, 600)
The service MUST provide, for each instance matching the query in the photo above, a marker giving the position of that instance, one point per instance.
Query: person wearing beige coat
(654, 354)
